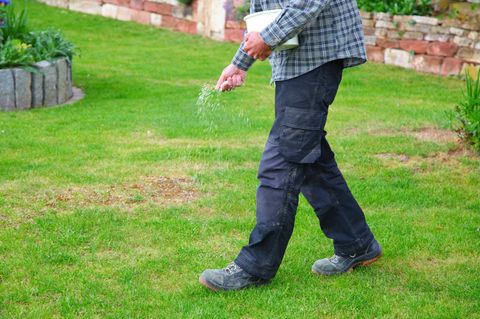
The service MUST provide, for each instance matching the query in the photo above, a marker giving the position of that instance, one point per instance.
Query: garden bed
(50, 85)
(35, 66)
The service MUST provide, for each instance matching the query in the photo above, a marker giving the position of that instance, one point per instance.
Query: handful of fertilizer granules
(209, 106)
(212, 111)
(208, 99)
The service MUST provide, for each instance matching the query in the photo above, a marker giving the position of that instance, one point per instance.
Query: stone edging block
(51, 85)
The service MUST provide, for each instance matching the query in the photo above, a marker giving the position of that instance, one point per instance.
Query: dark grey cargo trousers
(297, 158)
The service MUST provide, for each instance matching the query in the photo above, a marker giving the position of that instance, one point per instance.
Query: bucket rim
(253, 15)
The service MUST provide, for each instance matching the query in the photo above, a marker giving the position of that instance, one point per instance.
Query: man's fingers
(220, 81)
(237, 80)
(224, 86)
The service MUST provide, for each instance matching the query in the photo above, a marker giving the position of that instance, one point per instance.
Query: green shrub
(21, 48)
(48, 45)
(15, 53)
(242, 11)
(397, 7)
(186, 2)
(14, 25)
(465, 118)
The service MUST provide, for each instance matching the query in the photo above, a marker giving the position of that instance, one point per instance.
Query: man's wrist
(272, 36)
(242, 60)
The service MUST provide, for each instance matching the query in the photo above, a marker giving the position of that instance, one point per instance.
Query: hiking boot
(341, 264)
(230, 278)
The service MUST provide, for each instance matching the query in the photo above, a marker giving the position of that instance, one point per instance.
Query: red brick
(186, 26)
(451, 66)
(160, 8)
(136, 4)
(142, 17)
(123, 3)
(234, 35)
(426, 63)
(386, 43)
(369, 31)
(416, 46)
(168, 22)
(110, 1)
(442, 48)
(230, 24)
(195, 10)
(375, 54)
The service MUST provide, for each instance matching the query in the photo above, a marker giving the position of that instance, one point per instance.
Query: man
(297, 157)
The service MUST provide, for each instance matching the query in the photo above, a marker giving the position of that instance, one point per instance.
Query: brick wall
(166, 14)
(426, 44)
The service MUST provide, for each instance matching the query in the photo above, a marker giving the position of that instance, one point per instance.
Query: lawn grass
(87, 230)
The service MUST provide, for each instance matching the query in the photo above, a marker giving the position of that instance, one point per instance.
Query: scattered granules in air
(208, 100)
(211, 111)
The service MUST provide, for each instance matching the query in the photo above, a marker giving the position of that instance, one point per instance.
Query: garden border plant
(398, 7)
(465, 118)
(35, 66)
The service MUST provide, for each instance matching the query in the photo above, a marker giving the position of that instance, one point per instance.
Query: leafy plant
(21, 48)
(465, 118)
(243, 10)
(48, 45)
(186, 2)
(398, 7)
(15, 53)
(14, 25)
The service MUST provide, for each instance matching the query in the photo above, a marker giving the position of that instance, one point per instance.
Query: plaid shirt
(327, 30)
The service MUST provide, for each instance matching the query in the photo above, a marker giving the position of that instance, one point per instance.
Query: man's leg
(341, 218)
(277, 200)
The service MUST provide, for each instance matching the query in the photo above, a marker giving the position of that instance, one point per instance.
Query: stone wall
(442, 46)
(51, 85)
(426, 44)
(202, 17)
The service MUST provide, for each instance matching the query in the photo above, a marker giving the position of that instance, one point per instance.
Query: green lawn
(113, 206)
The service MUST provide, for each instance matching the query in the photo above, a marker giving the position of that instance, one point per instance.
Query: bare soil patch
(450, 159)
(158, 190)
(436, 135)
(428, 134)
(395, 157)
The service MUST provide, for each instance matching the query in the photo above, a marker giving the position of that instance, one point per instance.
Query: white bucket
(260, 20)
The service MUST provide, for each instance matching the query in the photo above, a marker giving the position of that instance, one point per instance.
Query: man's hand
(231, 78)
(256, 47)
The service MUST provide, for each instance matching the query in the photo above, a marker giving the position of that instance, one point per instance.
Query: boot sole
(208, 285)
(358, 264)
(205, 283)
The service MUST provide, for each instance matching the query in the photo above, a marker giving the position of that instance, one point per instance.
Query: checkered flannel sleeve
(293, 18)
(242, 60)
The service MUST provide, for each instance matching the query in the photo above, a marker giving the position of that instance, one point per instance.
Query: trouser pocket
(301, 131)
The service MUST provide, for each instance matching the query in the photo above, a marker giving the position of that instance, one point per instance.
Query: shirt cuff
(273, 36)
(242, 60)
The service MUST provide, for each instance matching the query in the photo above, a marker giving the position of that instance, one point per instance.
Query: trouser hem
(355, 246)
(254, 270)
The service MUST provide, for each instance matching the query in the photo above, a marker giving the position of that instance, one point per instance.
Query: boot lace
(232, 268)
(336, 259)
